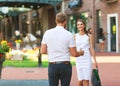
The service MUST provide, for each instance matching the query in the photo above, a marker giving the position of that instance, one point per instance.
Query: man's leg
(53, 74)
(66, 73)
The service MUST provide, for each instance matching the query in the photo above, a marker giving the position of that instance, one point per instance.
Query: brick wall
(91, 6)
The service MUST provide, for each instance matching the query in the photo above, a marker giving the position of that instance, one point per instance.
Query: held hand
(96, 65)
(81, 52)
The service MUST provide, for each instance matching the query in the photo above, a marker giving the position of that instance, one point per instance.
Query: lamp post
(40, 37)
(5, 10)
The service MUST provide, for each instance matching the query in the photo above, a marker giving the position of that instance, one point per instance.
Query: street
(109, 69)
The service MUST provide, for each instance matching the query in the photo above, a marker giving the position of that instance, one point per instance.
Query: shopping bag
(95, 79)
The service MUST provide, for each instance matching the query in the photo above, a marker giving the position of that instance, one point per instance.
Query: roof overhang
(28, 3)
(18, 6)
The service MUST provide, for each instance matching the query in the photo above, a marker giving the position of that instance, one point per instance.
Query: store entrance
(113, 35)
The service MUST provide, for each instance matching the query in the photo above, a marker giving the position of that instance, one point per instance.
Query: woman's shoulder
(89, 35)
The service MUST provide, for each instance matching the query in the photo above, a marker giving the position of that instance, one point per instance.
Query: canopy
(13, 7)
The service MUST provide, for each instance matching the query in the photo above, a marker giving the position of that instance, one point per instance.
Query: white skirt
(84, 68)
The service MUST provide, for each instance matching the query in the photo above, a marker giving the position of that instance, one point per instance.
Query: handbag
(95, 79)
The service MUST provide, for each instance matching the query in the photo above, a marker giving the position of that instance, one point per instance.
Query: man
(29, 41)
(59, 44)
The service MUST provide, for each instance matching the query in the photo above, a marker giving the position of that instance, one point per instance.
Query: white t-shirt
(58, 41)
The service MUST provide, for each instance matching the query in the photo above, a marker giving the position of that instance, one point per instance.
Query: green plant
(4, 47)
(25, 57)
(18, 63)
(1, 50)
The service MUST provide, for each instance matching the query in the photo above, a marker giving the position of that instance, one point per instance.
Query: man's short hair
(61, 17)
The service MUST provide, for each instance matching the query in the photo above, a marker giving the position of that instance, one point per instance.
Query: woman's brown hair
(81, 20)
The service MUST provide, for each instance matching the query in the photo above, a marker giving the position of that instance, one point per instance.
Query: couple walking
(60, 44)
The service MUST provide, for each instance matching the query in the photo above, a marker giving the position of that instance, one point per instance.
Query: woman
(89, 31)
(84, 63)
(101, 39)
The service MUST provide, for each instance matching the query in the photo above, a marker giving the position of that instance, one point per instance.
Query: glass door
(113, 33)
(112, 27)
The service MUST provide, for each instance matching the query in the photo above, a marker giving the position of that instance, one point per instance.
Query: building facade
(97, 14)
(32, 17)
(41, 19)
(30, 21)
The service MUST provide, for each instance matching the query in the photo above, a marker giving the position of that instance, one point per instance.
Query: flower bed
(21, 55)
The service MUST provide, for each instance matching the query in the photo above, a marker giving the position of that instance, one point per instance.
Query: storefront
(98, 14)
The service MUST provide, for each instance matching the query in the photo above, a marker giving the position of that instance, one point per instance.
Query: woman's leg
(102, 47)
(80, 83)
(85, 82)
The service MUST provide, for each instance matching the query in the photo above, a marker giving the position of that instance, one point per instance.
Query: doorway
(112, 20)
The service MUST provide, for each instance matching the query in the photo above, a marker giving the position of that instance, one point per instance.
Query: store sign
(74, 3)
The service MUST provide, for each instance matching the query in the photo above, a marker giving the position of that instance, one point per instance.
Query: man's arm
(74, 52)
(43, 49)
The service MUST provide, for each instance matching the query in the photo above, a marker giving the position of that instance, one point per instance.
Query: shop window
(72, 24)
(98, 23)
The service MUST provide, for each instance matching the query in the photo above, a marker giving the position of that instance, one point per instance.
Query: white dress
(83, 63)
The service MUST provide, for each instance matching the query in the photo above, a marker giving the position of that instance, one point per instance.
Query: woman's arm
(92, 50)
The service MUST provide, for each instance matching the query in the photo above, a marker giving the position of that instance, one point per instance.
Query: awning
(34, 4)
(18, 6)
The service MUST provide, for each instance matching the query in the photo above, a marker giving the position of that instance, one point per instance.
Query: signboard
(74, 3)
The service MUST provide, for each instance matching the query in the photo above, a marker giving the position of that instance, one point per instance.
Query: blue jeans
(62, 72)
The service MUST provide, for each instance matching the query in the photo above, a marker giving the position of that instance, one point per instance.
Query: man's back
(58, 41)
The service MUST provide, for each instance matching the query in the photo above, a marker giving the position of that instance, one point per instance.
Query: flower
(18, 41)
(4, 47)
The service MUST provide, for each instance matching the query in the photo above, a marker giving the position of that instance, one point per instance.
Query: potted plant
(3, 49)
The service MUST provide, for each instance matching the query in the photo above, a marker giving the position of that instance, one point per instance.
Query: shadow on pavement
(24, 83)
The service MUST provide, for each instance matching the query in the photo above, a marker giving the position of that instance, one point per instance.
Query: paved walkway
(23, 82)
(109, 69)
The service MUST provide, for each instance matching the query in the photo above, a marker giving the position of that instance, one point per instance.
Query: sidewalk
(24, 83)
(109, 69)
